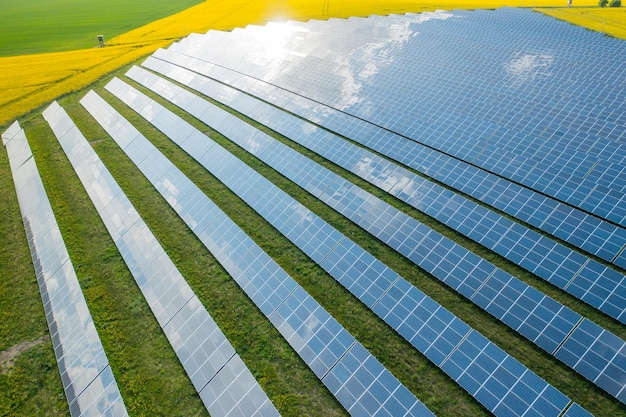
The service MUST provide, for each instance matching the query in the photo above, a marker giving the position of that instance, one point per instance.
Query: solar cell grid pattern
(360, 383)
(504, 386)
(600, 286)
(88, 381)
(362, 85)
(587, 232)
(523, 65)
(534, 315)
(222, 380)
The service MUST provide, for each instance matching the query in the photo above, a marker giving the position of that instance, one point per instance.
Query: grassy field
(36, 26)
(150, 377)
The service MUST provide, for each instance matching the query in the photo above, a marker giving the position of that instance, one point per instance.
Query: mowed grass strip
(33, 383)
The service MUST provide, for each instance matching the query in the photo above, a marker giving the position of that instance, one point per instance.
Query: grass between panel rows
(150, 377)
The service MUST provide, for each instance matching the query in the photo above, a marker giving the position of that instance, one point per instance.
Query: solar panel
(88, 382)
(355, 60)
(324, 345)
(537, 317)
(306, 72)
(588, 280)
(587, 232)
(424, 323)
(202, 348)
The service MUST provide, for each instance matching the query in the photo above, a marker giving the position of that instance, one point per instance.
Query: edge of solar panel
(387, 290)
(546, 312)
(89, 385)
(219, 376)
(175, 48)
(325, 346)
(598, 285)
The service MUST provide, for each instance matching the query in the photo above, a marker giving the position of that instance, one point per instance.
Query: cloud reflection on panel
(278, 47)
(524, 68)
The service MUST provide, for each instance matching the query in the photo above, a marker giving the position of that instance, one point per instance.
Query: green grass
(36, 26)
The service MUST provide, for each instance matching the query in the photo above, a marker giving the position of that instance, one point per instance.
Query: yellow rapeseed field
(29, 81)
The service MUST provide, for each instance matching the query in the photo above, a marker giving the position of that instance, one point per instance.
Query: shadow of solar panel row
(432, 102)
(587, 232)
(220, 377)
(586, 279)
(552, 326)
(89, 385)
(360, 383)
(469, 89)
(497, 380)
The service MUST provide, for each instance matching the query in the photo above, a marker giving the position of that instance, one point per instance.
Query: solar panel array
(478, 119)
(600, 286)
(360, 383)
(549, 324)
(89, 385)
(457, 102)
(565, 222)
(503, 385)
(220, 377)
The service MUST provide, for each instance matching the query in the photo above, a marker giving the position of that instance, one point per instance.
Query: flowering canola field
(29, 81)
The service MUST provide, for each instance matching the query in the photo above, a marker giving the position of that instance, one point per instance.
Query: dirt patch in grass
(7, 356)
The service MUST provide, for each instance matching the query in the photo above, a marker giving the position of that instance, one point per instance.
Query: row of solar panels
(88, 381)
(467, 356)
(460, 351)
(580, 343)
(493, 377)
(561, 265)
(594, 91)
(428, 103)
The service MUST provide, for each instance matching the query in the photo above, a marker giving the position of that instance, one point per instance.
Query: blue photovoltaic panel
(324, 345)
(88, 382)
(200, 345)
(603, 287)
(603, 363)
(537, 317)
(608, 244)
(455, 91)
(428, 326)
